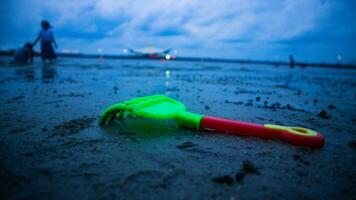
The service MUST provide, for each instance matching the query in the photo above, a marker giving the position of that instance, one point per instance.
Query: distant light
(168, 73)
(100, 50)
(168, 57)
(338, 58)
(125, 50)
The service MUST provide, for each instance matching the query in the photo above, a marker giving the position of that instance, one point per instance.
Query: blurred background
(310, 30)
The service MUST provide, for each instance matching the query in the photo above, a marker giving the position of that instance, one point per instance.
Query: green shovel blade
(156, 107)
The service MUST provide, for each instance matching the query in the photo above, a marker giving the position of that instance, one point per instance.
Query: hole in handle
(302, 131)
(294, 130)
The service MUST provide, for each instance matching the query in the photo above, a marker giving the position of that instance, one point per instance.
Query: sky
(310, 30)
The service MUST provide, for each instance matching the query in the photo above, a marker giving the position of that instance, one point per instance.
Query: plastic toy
(163, 107)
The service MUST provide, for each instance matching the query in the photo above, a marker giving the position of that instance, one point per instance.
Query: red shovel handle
(294, 135)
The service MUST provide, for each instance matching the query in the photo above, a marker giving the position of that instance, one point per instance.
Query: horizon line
(201, 59)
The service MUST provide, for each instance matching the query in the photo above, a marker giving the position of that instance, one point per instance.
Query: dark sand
(52, 148)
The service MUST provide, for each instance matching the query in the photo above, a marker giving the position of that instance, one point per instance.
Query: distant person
(338, 59)
(46, 37)
(25, 54)
(291, 61)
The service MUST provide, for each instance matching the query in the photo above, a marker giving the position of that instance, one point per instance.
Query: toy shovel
(163, 107)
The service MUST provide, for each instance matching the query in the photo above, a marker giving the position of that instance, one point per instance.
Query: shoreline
(202, 59)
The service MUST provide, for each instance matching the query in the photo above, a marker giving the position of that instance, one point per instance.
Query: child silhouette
(46, 37)
(24, 54)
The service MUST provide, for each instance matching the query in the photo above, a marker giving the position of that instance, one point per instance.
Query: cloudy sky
(311, 30)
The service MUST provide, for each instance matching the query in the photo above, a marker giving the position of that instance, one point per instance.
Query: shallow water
(52, 147)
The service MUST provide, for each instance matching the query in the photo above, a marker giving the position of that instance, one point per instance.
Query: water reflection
(48, 73)
(27, 73)
(167, 74)
(145, 128)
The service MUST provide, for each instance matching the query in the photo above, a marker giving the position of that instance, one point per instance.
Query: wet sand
(52, 147)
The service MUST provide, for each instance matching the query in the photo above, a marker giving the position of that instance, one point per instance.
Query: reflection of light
(339, 58)
(100, 50)
(125, 50)
(167, 73)
(168, 57)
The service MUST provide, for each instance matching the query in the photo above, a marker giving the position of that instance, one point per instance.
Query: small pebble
(352, 144)
(248, 104)
(185, 145)
(45, 172)
(250, 168)
(239, 176)
(19, 130)
(324, 115)
(224, 180)
(331, 107)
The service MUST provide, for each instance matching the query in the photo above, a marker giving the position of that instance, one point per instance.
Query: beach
(53, 148)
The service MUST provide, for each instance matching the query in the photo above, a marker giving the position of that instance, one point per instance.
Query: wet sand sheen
(52, 147)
